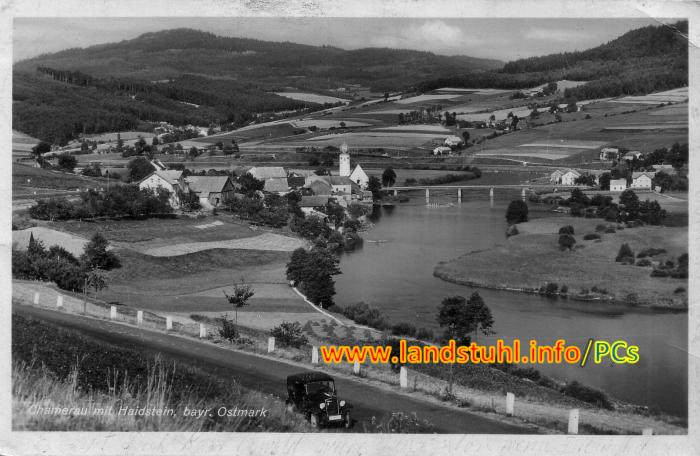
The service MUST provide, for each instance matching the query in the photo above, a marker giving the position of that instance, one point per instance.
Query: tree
(336, 213)
(604, 181)
(67, 162)
(585, 179)
(250, 184)
(516, 212)
(193, 152)
(35, 249)
(630, 201)
(297, 265)
(624, 252)
(566, 242)
(96, 255)
(374, 185)
(154, 141)
(120, 143)
(40, 149)
(317, 277)
(388, 177)
(139, 168)
(242, 292)
(95, 279)
(465, 135)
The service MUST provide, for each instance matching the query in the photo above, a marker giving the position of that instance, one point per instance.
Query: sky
(503, 39)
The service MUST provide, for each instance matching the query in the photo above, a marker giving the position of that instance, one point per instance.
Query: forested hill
(644, 60)
(187, 76)
(170, 53)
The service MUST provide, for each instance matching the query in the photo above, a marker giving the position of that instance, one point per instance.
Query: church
(348, 185)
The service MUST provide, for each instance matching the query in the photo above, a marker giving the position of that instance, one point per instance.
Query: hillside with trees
(641, 61)
(186, 76)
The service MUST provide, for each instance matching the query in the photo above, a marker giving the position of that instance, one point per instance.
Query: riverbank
(531, 261)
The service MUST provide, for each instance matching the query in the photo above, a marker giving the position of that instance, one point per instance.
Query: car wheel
(348, 421)
(315, 422)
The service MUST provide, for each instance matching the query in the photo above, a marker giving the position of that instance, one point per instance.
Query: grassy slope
(533, 258)
(141, 381)
(43, 178)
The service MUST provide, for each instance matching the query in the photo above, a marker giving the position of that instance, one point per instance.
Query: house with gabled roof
(642, 180)
(267, 172)
(212, 191)
(170, 180)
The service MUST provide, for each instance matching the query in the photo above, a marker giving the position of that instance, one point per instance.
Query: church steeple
(344, 161)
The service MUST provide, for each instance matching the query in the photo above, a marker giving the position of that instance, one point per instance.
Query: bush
(625, 252)
(587, 394)
(551, 289)
(568, 229)
(644, 263)
(650, 252)
(289, 334)
(679, 290)
(363, 314)
(600, 228)
(228, 329)
(424, 334)
(564, 289)
(610, 230)
(660, 273)
(516, 212)
(403, 329)
(566, 242)
(591, 236)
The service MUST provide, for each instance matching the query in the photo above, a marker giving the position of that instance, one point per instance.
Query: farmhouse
(664, 168)
(642, 180)
(267, 172)
(347, 185)
(278, 185)
(319, 186)
(453, 141)
(169, 180)
(211, 190)
(312, 204)
(631, 155)
(618, 185)
(442, 150)
(564, 176)
(609, 153)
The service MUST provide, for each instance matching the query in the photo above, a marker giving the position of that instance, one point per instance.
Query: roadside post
(510, 403)
(314, 355)
(168, 323)
(139, 317)
(112, 313)
(36, 298)
(270, 344)
(202, 331)
(573, 421)
(59, 302)
(356, 368)
(647, 431)
(403, 377)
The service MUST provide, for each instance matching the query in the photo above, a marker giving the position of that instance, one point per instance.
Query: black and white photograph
(270, 228)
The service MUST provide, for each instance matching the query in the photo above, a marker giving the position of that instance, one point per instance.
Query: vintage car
(314, 395)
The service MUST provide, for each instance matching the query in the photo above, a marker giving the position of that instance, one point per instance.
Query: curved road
(269, 376)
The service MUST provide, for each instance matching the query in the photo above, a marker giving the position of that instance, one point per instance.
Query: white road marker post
(403, 377)
(314, 355)
(139, 317)
(112, 313)
(202, 331)
(573, 421)
(59, 302)
(36, 298)
(168, 323)
(356, 368)
(270, 344)
(510, 403)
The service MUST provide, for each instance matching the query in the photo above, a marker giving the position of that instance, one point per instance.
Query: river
(397, 277)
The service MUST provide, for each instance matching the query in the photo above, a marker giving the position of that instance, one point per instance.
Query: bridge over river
(525, 188)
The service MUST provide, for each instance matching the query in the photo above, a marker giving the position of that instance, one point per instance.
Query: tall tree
(242, 292)
(388, 177)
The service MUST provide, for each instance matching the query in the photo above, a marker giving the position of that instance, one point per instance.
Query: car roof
(309, 377)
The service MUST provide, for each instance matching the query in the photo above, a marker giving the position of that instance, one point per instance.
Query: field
(74, 244)
(532, 259)
(28, 178)
(311, 97)
(679, 95)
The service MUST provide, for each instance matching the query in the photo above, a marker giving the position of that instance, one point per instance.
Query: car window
(320, 387)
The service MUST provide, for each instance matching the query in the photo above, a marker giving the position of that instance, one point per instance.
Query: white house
(569, 176)
(555, 177)
(211, 190)
(618, 185)
(642, 180)
(359, 177)
(631, 155)
(169, 180)
(442, 150)
(453, 141)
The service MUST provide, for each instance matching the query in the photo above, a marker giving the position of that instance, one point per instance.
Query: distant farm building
(267, 172)
(277, 185)
(642, 180)
(609, 153)
(618, 185)
(564, 176)
(632, 155)
(312, 204)
(454, 141)
(442, 150)
(211, 190)
(169, 180)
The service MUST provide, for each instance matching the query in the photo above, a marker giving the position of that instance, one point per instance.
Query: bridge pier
(491, 196)
(427, 196)
(459, 195)
(523, 194)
